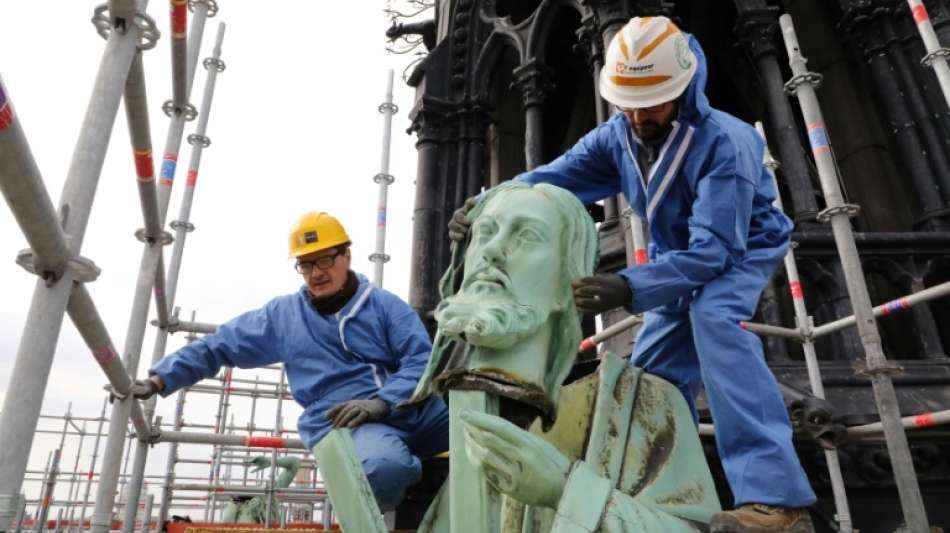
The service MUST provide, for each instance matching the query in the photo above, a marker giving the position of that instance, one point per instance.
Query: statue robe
(638, 462)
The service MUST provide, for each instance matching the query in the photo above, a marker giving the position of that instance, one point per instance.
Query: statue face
(513, 279)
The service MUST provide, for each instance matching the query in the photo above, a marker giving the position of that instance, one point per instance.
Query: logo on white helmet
(684, 57)
(623, 67)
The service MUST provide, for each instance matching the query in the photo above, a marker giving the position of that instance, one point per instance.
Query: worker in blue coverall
(696, 175)
(352, 351)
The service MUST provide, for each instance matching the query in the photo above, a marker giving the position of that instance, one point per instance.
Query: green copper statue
(254, 510)
(616, 451)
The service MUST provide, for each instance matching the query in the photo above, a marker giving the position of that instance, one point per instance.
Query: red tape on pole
(264, 442)
(920, 14)
(924, 420)
(640, 256)
(179, 17)
(192, 178)
(143, 165)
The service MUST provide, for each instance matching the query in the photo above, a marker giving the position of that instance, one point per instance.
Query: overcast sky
(294, 127)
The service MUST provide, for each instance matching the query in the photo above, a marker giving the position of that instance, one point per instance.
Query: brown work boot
(760, 518)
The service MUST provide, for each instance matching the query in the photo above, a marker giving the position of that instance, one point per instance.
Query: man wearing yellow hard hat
(352, 351)
(695, 174)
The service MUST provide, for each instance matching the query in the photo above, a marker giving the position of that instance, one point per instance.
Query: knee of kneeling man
(385, 471)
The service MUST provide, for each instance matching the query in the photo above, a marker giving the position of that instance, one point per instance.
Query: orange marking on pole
(639, 81)
(670, 30)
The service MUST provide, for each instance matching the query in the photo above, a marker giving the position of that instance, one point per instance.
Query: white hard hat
(648, 63)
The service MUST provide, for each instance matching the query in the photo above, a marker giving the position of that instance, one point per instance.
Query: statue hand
(259, 462)
(516, 462)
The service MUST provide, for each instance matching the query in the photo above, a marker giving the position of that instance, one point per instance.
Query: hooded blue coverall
(715, 241)
(375, 346)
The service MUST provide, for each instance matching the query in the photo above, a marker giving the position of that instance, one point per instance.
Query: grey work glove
(601, 292)
(356, 412)
(141, 389)
(460, 223)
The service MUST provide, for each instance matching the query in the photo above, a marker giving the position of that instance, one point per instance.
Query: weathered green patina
(346, 483)
(614, 452)
(254, 510)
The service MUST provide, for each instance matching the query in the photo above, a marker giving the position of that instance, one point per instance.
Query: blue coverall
(375, 346)
(715, 241)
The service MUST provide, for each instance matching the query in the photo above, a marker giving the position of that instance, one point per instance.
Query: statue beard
(493, 321)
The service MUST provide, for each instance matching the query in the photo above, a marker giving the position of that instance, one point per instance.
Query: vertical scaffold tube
(877, 369)
(34, 360)
(384, 179)
(172, 461)
(936, 55)
(202, 10)
(178, 14)
(842, 511)
(92, 465)
(48, 487)
(199, 141)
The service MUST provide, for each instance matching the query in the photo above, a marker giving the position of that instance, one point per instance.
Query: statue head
(507, 298)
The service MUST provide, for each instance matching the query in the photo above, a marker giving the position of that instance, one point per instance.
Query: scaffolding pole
(182, 226)
(936, 57)
(838, 213)
(172, 460)
(44, 320)
(384, 179)
(811, 359)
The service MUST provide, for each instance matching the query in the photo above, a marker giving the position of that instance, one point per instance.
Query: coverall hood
(694, 106)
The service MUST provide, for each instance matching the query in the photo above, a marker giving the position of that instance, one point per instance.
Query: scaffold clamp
(851, 210)
(212, 6)
(388, 178)
(213, 63)
(164, 238)
(189, 111)
(388, 107)
(102, 20)
(84, 270)
(379, 257)
(882, 369)
(196, 139)
(939, 53)
(187, 227)
(809, 78)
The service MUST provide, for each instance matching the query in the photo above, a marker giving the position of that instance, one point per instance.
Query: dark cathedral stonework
(510, 84)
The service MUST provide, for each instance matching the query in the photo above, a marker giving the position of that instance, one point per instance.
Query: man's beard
(494, 321)
(651, 131)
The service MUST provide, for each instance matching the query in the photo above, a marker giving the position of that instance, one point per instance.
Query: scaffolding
(120, 441)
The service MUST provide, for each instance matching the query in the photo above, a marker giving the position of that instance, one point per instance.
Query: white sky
(294, 126)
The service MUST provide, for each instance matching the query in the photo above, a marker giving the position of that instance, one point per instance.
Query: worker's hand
(144, 389)
(141, 389)
(514, 461)
(355, 412)
(601, 292)
(458, 226)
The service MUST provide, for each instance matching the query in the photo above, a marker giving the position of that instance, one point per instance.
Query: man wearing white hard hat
(696, 175)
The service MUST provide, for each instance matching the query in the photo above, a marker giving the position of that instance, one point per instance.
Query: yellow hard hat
(315, 231)
(648, 62)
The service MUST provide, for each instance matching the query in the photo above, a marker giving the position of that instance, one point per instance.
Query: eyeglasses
(323, 263)
(652, 110)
